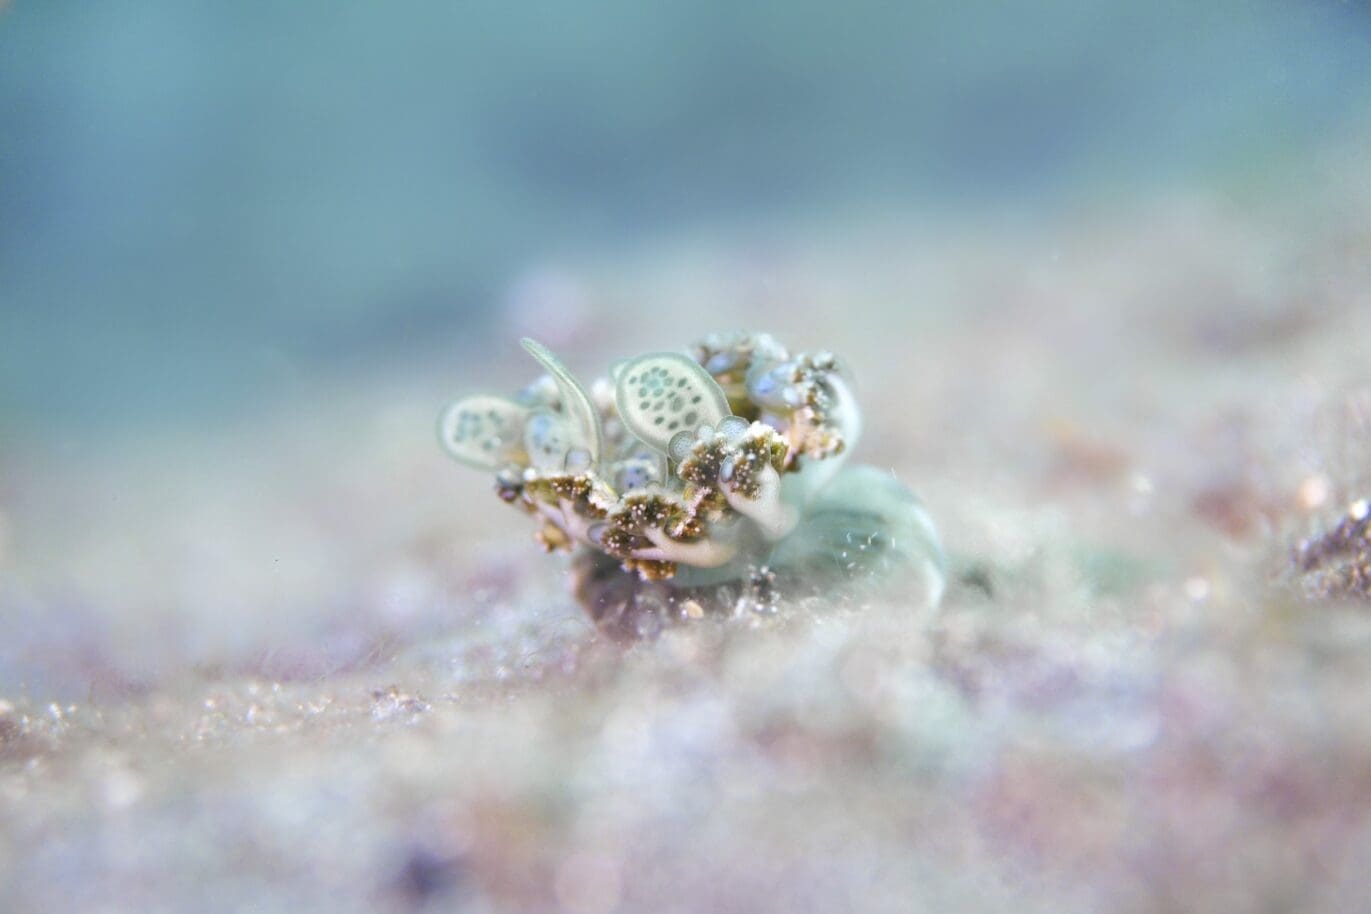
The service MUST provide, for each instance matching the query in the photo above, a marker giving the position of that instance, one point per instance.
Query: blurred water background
(207, 207)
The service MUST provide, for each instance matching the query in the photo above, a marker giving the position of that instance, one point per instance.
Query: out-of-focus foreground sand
(303, 662)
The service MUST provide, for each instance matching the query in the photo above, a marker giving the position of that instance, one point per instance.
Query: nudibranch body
(697, 469)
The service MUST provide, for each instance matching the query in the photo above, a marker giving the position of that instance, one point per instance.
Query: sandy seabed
(302, 662)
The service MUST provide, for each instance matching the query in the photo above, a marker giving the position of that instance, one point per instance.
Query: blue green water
(202, 201)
